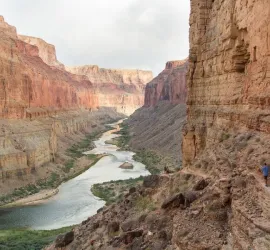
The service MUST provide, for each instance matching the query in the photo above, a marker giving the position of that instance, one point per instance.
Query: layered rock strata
(169, 85)
(227, 133)
(29, 87)
(32, 150)
(123, 89)
(33, 82)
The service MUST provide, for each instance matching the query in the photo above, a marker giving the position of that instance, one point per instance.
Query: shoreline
(34, 199)
(45, 195)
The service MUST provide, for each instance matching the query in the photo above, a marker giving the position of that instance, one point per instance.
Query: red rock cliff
(169, 85)
(46, 51)
(123, 89)
(31, 77)
(27, 83)
(228, 129)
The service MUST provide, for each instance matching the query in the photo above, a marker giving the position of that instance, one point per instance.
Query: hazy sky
(141, 34)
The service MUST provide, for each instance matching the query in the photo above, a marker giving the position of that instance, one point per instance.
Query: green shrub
(22, 239)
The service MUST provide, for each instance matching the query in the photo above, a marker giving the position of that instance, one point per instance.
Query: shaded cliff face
(169, 85)
(227, 133)
(158, 129)
(228, 69)
(123, 89)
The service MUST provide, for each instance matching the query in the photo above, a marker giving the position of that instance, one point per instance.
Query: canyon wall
(169, 85)
(227, 133)
(34, 83)
(123, 89)
(30, 88)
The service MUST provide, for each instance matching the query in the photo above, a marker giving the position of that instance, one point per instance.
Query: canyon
(156, 126)
(44, 108)
(218, 200)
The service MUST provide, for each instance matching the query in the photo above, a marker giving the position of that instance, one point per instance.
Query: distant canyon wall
(123, 89)
(169, 85)
(33, 82)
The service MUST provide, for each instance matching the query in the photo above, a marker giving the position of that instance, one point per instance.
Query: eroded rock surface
(227, 133)
(169, 85)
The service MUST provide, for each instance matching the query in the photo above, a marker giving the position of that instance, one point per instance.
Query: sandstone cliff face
(227, 132)
(123, 89)
(169, 85)
(46, 51)
(27, 84)
(33, 83)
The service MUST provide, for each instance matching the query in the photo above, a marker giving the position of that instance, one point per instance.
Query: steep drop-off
(169, 85)
(227, 134)
(123, 89)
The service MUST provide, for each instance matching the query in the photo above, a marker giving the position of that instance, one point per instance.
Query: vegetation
(224, 137)
(124, 138)
(144, 204)
(150, 159)
(54, 180)
(22, 239)
(113, 191)
(76, 150)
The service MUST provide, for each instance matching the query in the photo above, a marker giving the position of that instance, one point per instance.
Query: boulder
(127, 165)
(151, 181)
(113, 227)
(63, 240)
(174, 201)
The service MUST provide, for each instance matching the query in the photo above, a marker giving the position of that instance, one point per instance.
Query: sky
(137, 34)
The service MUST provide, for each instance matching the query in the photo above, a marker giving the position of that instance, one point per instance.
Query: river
(75, 201)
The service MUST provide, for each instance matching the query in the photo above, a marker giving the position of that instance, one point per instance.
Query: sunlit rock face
(169, 85)
(120, 88)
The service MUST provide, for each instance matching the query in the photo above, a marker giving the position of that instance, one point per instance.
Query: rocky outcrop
(123, 89)
(227, 133)
(169, 85)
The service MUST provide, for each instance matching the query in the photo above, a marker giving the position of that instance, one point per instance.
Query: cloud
(141, 34)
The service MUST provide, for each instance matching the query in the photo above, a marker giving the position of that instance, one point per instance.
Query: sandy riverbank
(34, 199)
